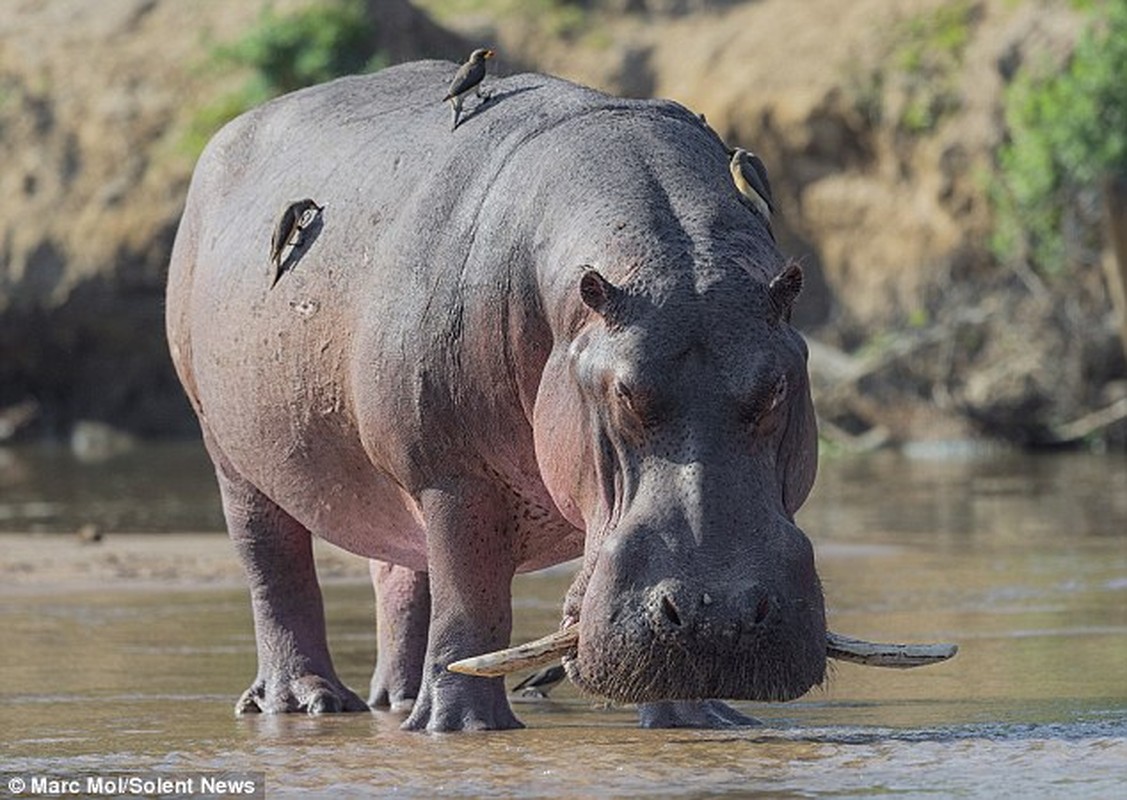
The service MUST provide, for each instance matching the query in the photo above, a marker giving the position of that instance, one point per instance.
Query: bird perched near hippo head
(750, 176)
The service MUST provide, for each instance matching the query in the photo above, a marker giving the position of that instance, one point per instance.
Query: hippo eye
(779, 394)
(624, 395)
(760, 414)
(638, 405)
(769, 417)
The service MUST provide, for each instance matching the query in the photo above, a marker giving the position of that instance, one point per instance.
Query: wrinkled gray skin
(547, 334)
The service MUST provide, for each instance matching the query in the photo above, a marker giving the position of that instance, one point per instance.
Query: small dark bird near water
(295, 219)
(90, 534)
(750, 177)
(469, 76)
(539, 683)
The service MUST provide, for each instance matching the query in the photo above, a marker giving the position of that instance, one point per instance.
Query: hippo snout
(675, 610)
(657, 628)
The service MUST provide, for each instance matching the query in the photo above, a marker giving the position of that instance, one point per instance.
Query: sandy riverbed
(47, 563)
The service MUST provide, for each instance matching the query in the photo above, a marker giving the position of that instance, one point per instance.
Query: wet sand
(50, 563)
(132, 651)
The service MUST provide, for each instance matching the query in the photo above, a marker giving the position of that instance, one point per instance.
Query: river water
(1022, 560)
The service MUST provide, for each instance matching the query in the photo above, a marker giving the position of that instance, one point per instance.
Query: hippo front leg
(402, 618)
(471, 568)
(295, 672)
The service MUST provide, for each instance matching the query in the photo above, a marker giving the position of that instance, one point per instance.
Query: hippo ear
(784, 289)
(597, 292)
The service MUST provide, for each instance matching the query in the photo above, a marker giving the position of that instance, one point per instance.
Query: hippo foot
(459, 703)
(692, 714)
(310, 693)
(387, 700)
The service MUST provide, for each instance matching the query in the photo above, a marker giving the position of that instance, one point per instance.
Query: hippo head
(676, 427)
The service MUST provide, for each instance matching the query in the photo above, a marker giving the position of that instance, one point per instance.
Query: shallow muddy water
(152, 487)
(1021, 560)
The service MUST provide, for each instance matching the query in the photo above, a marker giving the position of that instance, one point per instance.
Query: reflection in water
(149, 488)
(1021, 560)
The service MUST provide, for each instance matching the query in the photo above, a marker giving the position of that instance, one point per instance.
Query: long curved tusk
(532, 654)
(877, 654)
(561, 643)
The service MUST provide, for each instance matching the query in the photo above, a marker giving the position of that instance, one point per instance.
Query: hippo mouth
(564, 644)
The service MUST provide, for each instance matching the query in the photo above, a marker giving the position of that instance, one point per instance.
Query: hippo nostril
(670, 611)
(762, 609)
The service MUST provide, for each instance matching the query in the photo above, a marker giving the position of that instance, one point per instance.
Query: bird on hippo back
(469, 76)
(559, 333)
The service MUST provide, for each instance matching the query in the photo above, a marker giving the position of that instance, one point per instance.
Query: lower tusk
(877, 654)
(532, 654)
(563, 643)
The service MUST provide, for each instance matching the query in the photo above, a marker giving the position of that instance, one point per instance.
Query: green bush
(927, 60)
(312, 46)
(288, 52)
(918, 65)
(564, 19)
(1067, 132)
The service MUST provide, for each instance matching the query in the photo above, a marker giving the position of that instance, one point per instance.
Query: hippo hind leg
(295, 672)
(402, 618)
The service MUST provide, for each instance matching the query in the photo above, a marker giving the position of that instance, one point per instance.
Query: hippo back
(408, 340)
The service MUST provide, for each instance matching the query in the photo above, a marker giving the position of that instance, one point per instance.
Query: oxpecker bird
(539, 683)
(469, 76)
(750, 177)
(295, 219)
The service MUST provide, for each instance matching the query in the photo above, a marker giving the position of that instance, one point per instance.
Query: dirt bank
(879, 168)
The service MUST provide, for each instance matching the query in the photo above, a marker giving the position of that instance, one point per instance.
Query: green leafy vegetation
(1067, 132)
(564, 19)
(287, 52)
(916, 74)
(928, 58)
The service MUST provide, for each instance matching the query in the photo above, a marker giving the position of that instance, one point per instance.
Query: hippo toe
(311, 693)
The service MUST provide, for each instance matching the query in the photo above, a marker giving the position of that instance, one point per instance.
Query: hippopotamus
(554, 332)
